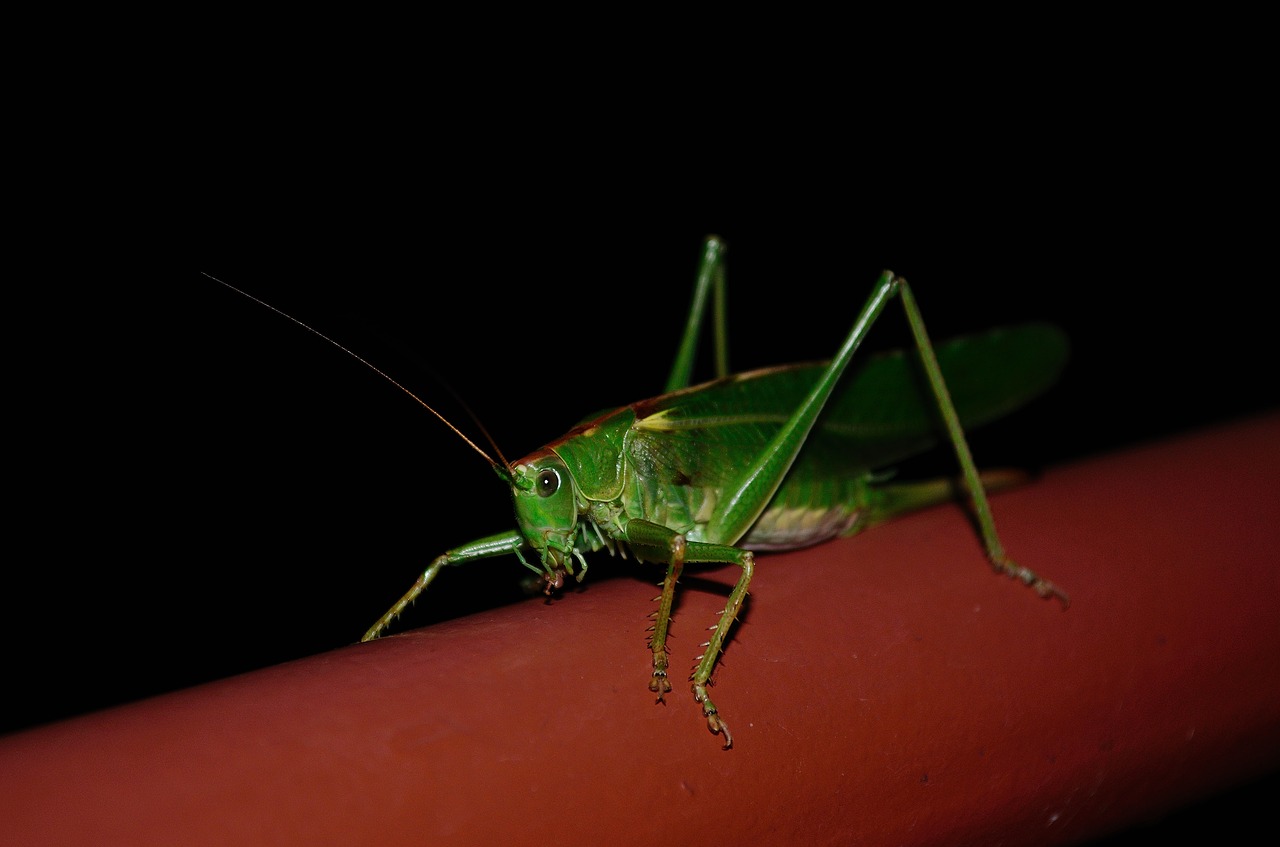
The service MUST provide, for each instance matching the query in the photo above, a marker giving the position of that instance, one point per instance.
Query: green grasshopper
(772, 459)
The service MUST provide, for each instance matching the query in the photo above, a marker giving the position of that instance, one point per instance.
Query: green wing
(882, 413)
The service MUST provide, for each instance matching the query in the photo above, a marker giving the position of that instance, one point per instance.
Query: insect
(772, 459)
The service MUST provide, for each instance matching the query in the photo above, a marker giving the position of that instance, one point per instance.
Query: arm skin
(885, 688)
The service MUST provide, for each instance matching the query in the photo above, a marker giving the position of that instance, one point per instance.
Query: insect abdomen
(783, 528)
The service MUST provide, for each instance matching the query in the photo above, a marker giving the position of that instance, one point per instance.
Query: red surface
(881, 689)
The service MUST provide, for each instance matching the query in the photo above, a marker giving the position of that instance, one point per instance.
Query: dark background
(212, 489)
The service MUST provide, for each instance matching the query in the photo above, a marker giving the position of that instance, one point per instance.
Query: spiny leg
(495, 545)
(660, 684)
(654, 542)
(715, 646)
(417, 588)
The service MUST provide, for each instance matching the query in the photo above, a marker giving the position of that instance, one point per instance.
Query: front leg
(495, 545)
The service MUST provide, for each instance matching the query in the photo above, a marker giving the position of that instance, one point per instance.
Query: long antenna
(504, 463)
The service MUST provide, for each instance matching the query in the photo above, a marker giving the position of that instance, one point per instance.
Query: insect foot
(714, 722)
(1038, 584)
(660, 685)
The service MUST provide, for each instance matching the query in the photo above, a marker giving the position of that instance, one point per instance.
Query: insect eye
(548, 482)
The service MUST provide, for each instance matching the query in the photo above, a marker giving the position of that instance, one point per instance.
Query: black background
(212, 489)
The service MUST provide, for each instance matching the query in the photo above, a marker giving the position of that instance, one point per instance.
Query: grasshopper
(771, 459)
